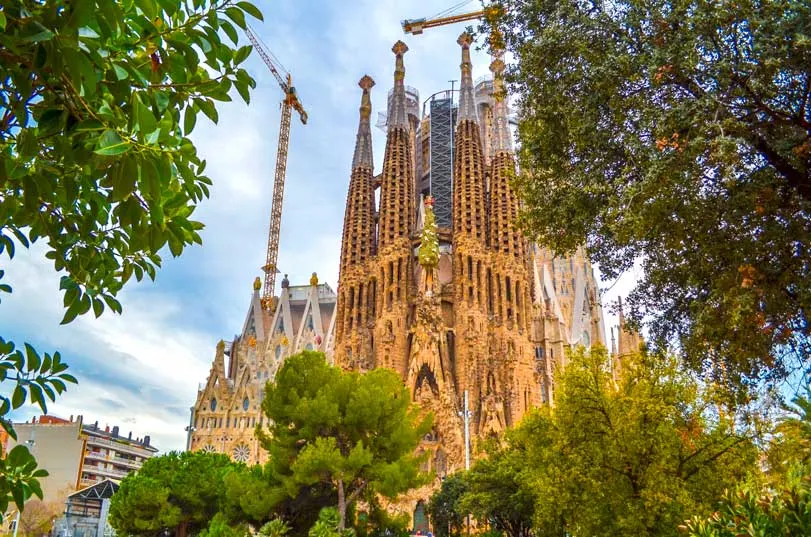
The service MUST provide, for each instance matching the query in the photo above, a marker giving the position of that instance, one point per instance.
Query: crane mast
(289, 103)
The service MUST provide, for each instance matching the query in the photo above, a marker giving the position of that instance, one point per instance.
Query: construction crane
(417, 26)
(289, 103)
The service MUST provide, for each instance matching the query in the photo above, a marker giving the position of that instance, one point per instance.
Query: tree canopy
(677, 134)
(636, 454)
(177, 492)
(446, 513)
(354, 432)
(97, 102)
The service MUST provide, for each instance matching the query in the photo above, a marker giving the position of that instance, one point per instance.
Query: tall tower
(471, 267)
(511, 297)
(392, 282)
(455, 300)
(356, 302)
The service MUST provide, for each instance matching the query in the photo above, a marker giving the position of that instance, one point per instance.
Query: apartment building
(78, 455)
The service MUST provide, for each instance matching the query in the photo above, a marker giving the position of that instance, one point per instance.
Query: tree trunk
(341, 506)
(181, 529)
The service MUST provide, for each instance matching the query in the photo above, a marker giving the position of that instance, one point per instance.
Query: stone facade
(463, 305)
(228, 407)
(493, 316)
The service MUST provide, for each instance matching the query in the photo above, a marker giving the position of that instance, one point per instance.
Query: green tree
(635, 455)
(178, 492)
(97, 100)
(447, 516)
(355, 433)
(785, 512)
(677, 134)
(780, 504)
(496, 491)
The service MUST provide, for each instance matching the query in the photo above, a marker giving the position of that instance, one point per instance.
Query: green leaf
(242, 54)
(189, 119)
(124, 182)
(251, 10)
(144, 118)
(69, 378)
(120, 72)
(33, 359)
(18, 397)
(111, 144)
(207, 106)
(38, 398)
(2, 21)
(35, 32)
(230, 31)
(236, 15)
(72, 312)
(89, 125)
(98, 307)
(36, 488)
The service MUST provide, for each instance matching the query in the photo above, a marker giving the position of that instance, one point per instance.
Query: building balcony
(122, 447)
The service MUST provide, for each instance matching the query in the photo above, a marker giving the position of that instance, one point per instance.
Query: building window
(213, 404)
(278, 351)
(245, 404)
(309, 346)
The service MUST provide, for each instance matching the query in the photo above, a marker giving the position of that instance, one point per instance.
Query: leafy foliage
(36, 378)
(275, 528)
(97, 100)
(38, 517)
(677, 133)
(355, 433)
(220, 527)
(632, 455)
(178, 492)
(447, 515)
(496, 492)
(784, 512)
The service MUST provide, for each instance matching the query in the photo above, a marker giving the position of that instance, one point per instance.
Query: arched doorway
(420, 518)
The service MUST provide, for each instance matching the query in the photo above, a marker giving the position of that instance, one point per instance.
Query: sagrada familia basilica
(436, 283)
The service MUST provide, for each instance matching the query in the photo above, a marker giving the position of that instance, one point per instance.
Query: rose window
(208, 448)
(242, 453)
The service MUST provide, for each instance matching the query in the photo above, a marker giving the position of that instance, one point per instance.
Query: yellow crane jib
(417, 26)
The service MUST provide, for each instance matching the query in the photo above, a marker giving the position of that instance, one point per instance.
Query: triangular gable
(310, 320)
(254, 324)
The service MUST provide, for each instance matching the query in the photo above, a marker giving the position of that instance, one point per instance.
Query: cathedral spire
(358, 236)
(467, 104)
(363, 143)
(469, 183)
(501, 129)
(398, 118)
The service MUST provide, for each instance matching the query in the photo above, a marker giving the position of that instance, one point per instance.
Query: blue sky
(141, 370)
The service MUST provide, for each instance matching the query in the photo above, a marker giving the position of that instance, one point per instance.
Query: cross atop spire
(363, 142)
(467, 105)
(398, 116)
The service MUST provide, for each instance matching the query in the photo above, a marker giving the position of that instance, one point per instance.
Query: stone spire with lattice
(469, 185)
(503, 202)
(393, 277)
(358, 243)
